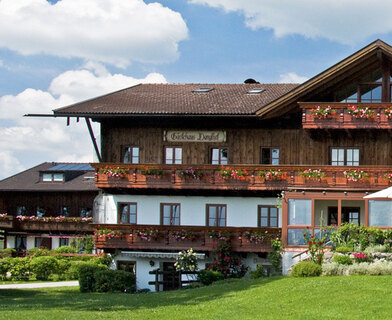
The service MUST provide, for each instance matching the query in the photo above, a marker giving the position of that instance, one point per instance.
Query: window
(380, 213)
(64, 242)
(57, 177)
(173, 155)
(128, 266)
(130, 155)
(85, 212)
(344, 156)
(21, 211)
(351, 215)
(269, 156)
(64, 211)
(37, 242)
(268, 216)
(170, 214)
(216, 215)
(40, 211)
(203, 90)
(20, 243)
(300, 212)
(219, 156)
(127, 213)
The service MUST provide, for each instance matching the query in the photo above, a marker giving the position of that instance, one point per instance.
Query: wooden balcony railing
(170, 178)
(198, 238)
(13, 223)
(342, 119)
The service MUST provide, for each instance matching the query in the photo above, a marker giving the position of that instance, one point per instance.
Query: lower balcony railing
(148, 237)
(50, 224)
(241, 177)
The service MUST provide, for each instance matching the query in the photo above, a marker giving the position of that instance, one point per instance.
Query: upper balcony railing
(199, 238)
(241, 177)
(336, 115)
(47, 224)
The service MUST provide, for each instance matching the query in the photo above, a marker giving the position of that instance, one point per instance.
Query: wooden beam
(94, 141)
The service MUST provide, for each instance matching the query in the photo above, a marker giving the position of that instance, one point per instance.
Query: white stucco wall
(10, 242)
(55, 243)
(241, 211)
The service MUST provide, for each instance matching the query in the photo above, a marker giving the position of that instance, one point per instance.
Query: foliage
(377, 248)
(388, 112)
(39, 252)
(219, 235)
(227, 262)
(148, 234)
(360, 112)
(258, 273)
(58, 219)
(313, 174)
(275, 256)
(360, 257)
(196, 174)
(207, 277)
(4, 267)
(44, 266)
(316, 246)
(226, 173)
(83, 244)
(306, 269)
(355, 175)
(87, 272)
(344, 250)
(256, 236)
(65, 249)
(151, 172)
(272, 175)
(114, 171)
(20, 268)
(106, 234)
(321, 112)
(183, 235)
(358, 237)
(4, 216)
(186, 261)
(342, 259)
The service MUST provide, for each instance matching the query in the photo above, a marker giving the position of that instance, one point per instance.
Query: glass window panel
(132, 218)
(166, 221)
(124, 214)
(135, 155)
(132, 208)
(376, 94)
(178, 155)
(176, 215)
(264, 222)
(211, 221)
(64, 242)
(223, 156)
(21, 211)
(349, 155)
(295, 237)
(169, 156)
(126, 158)
(166, 211)
(38, 242)
(380, 213)
(215, 156)
(264, 212)
(40, 212)
(47, 177)
(65, 211)
(265, 156)
(58, 176)
(274, 222)
(300, 212)
(274, 212)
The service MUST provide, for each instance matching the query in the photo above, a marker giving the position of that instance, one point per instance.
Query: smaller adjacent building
(47, 205)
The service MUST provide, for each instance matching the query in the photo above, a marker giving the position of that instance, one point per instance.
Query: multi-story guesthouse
(47, 205)
(196, 159)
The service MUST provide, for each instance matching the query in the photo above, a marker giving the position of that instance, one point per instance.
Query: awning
(385, 193)
(167, 255)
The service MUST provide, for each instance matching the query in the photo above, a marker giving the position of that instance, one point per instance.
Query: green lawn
(350, 297)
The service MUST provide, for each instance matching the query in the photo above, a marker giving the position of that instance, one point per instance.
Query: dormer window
(56, 177)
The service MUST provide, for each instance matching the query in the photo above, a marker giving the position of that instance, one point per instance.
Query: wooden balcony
(342, 119)
(200, 239)
(171, 179)
(46, 226)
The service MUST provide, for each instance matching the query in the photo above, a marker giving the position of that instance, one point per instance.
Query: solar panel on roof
(71, 167)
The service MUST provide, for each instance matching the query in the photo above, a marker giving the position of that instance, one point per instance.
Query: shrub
(4, 267)
(44, 266)
(360, 257)
(104, 258)
(38, 252)
(7, 252)
(306, 269)
(103, 280)
(333, 269)
(73, 271)
(20, 268)
(258, 273)
(207, 277)
(123, 281)
(65, 249)
(342, 259)
(377, 248)
(87, 275)
(344, 250)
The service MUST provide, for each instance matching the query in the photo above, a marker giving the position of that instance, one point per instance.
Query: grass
(349, 297)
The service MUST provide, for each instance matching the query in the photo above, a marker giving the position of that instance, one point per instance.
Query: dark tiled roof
(29, 180)
(180, 99)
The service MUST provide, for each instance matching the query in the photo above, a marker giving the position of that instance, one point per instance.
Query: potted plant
(356, 175)
(272, 175)
(226, 173)
(361, 112)
(114, 171)
(313, 174)
(321, 112)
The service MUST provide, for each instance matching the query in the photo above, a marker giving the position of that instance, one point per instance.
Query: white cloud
(112, 31)
(347, 21)
(292, 77)
(35, 140)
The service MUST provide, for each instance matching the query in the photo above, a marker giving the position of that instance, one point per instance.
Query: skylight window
(203, 90)
(256, 90)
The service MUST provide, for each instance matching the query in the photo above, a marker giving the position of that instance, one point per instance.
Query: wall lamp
(152, 263)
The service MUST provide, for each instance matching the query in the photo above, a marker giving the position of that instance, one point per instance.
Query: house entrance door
(170, 276)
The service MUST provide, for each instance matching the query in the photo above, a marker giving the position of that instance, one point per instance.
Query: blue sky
(54, 53)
